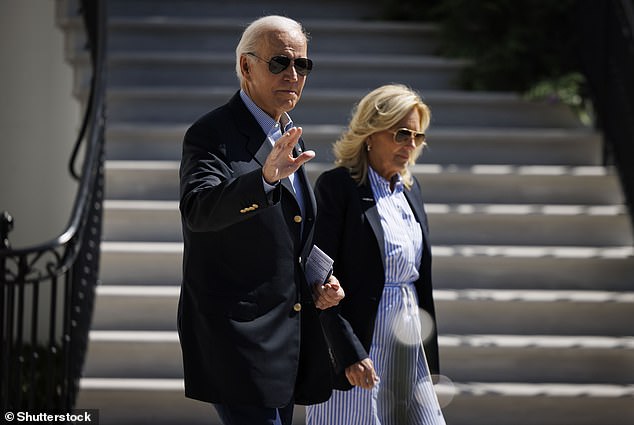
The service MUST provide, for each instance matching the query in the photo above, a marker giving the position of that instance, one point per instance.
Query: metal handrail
(47, 290)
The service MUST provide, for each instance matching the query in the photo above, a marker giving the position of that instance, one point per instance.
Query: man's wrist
(269, 181)
(268, 187)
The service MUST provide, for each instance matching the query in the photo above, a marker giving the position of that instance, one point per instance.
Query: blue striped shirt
(402, 233)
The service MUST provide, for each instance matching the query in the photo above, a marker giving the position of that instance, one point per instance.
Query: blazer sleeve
(213, 195)
(424, 286)
(332, 198)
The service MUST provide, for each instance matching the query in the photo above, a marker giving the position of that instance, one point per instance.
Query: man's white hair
(255, 32)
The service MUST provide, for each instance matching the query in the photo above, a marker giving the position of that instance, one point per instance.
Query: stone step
(528, 312)
(538, 358)
(150, 308)
(542, 225)
(465, 358)
(138, 69)
(510, 184)
(141, 263)
(221, 34)
(169, 35)
(332, 106)
(468, 311)
(477, 403)
(161, 401)
(505, 184)
(142, 221)
(364, 72)
(455, 267)
(446, 145)
(126, 401)
(159, 221)
(540, 268)
(201, 51)
(331, 9)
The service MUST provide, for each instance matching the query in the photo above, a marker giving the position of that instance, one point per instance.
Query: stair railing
(47, 291)
(606, 31)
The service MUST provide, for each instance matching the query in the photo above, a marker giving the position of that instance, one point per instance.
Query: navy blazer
(242, 338)
(348, 228)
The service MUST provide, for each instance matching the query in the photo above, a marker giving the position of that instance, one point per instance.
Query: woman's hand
(362, 374)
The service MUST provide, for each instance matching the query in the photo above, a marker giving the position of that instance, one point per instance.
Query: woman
(372, 222)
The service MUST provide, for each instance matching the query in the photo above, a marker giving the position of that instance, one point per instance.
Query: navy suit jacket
(348, 229)
(242, 338)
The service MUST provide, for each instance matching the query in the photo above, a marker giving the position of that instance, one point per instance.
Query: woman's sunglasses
(404, 135)
(277, 64)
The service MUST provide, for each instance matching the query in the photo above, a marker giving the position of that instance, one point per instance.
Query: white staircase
(533, 257)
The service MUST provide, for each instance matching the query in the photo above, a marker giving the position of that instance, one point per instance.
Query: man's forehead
(282, 39)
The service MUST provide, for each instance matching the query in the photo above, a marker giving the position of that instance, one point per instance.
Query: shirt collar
(381, 186)
(268, 124)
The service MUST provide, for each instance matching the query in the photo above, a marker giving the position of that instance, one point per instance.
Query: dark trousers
(249, 415)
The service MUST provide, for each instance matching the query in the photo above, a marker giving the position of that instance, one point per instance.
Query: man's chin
(289, 104)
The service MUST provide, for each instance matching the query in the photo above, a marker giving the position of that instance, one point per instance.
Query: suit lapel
(248, 126)
(311, 207)
(416, 203)
(310, 204)
(259, 148)
(368, 205)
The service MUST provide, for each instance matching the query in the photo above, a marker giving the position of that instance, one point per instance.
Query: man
(249, 330)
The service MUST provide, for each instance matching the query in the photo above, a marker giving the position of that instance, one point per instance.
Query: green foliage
(408, 10)
(525, 46)
(569, 89)
(513, 43)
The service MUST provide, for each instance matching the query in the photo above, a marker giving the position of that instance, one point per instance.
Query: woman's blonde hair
(379, 110)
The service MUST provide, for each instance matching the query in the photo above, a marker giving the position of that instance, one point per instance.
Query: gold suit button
(297, 307)
(297, 219)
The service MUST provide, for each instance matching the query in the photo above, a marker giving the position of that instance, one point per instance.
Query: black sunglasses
(404, 135)
(277, 64)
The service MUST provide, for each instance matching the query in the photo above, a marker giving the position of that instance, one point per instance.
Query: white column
(39, 120)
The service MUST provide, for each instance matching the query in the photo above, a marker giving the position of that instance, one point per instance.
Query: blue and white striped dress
(405, 394)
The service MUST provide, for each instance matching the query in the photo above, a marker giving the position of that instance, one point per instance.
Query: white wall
(39, 120)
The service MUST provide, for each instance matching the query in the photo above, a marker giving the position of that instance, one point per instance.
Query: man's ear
(244, 66)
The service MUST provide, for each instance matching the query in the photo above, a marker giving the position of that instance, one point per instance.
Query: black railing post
(6, 225)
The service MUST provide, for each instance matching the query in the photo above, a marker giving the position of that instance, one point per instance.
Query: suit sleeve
(425, 290)
(345, 347)
(212, 196)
